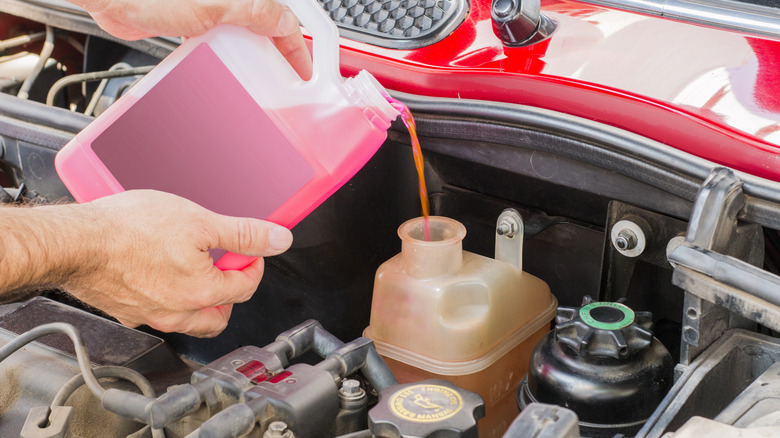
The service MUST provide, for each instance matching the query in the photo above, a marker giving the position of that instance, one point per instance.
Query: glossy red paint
(710, 92)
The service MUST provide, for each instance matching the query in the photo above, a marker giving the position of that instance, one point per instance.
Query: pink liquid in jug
(196, 131)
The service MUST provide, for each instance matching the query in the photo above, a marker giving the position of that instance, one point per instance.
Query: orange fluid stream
(408, 120)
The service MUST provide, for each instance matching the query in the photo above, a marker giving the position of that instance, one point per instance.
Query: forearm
(44, 247)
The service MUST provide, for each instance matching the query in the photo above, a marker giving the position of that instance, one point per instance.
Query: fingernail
(280, 238)
(288, 23)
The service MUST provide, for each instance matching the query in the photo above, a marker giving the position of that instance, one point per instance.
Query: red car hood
(713, 93)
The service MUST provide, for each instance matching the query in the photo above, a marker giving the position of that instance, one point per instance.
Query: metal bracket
(40, 424)
(713, 266)
(651, 233)
(509, 238)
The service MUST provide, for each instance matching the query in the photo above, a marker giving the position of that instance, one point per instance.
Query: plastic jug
(441, 312)
(226, 122)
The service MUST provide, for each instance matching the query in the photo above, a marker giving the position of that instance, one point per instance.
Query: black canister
(602, 362)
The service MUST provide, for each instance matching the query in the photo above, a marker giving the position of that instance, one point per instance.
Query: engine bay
(655, 312)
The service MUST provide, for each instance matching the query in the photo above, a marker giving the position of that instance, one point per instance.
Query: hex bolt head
(351, 390)
(350, 386)
(507, 227)
(626, 240)
(277, 429)
(504, 8)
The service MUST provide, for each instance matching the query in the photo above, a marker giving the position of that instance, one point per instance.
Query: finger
(206, 323)
(249, 237)
(294, 49)
(238, 286)
(265, 17)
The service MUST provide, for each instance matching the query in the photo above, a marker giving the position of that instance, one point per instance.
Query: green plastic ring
(628, 316)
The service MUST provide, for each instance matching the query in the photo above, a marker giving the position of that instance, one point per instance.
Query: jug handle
(325, 37)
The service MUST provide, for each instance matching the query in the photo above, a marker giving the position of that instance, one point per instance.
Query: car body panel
(707, 91)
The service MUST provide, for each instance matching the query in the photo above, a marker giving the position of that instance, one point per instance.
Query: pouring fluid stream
(408, 120)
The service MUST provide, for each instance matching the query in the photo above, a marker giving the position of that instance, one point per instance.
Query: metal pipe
(108, 371)
(82, 356)
(48, 48)
(102, 87)
(93, 76)
(21, 40)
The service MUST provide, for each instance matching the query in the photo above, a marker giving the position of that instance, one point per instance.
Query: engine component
(759, 403)
(352, 416)
(256, 386)
(248, 387)
(426, 409)
(603, 363)
(754, 414)
(713, 266)
(708, 386)
(698, 427)
(539, 420)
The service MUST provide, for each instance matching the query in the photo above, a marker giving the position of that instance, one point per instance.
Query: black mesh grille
(398, 24)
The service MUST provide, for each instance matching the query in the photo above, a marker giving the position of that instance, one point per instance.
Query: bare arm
(140, 256)
(136, 19)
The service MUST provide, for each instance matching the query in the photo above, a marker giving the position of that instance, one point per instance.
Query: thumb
(250, 237)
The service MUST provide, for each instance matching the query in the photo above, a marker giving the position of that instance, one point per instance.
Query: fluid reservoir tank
(603, 363)
(441, 312)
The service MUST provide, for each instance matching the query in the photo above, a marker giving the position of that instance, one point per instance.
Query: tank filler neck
(441, 255)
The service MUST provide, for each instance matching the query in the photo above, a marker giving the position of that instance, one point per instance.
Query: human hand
(136, 19)
(152, 265)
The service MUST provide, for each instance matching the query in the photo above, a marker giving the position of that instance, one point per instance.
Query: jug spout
(441, 255)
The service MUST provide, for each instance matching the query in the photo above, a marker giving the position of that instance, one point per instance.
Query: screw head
(507, 227)
(504, 8)
(351, 390)
(626, 240)
(276, 429)
(350, 386)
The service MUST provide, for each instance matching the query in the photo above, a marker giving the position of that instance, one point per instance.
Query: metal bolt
(507, 227)
(277, 429)
(626, 240)
(351, 390)
(350, 386)
(504, 8)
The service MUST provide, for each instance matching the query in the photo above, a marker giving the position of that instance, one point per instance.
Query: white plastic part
(370, 94)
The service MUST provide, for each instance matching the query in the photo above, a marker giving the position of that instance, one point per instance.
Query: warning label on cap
(426, 403)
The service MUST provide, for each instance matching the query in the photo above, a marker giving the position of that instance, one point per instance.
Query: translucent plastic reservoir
(441, 312)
